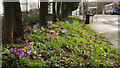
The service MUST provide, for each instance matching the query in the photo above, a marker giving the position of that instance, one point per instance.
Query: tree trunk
(12, 26)
(18, 31)
(63, 9)
(54, 13)
(43, 13)
(69, 12)
(7, 34)
(58, 10)
(68, 9)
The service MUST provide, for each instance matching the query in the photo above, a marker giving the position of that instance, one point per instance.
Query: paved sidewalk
(108, 26)
(109, 31)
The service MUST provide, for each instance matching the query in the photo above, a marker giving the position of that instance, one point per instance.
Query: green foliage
(75, 44)
(31, 20)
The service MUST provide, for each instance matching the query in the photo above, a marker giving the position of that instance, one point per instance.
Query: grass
(0, 63)
(68, 43)
(0, 55)
(33, 20)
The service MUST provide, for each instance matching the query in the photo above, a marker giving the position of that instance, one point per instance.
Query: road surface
(109, 26)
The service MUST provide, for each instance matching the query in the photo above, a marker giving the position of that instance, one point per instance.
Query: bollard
(88, 18)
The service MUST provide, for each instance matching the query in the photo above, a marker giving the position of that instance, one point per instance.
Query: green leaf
(6, 50)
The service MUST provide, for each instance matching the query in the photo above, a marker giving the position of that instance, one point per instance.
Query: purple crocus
(52, 31)
(34, 52)
(57, 33)
(21, 51)
(64, 31)
(28, 56)
(29, 27)
(37, 43)
(49, 22)
(67, 22)
(10, 53)
(35, 29)
(20, 55)
(14, 51)
(39, 55)
(36, 25)
(34, 57)
(42, 28)
(54, 25)
(31, 43)
(28, 53)
(48, 34)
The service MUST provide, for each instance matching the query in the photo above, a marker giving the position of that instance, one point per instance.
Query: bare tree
(58, 10)
(43, 13)
(54, 12)
(12, 26)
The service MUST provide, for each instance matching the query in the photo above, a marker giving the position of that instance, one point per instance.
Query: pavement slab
(107, 25)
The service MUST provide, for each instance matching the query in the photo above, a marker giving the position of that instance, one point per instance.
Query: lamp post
(26, 9)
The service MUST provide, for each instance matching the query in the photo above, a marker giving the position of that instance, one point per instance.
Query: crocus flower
(31, 43)
(20, 55)
(53, 25)
(28, 56)
(42, 28)
(10, 52)
(28, 53)
(30, 49)
(35, 29)
(37, 43)
(39, 55)
(47, 34)
(57, 33)
(21, 51)
(14, 51)
(67, 22)
(68, 59)
(48, 37)
(49, 22)
(29, 27)
(34, 52)
(64, 31)
(36, 25)
(52, 31)
(34, 57)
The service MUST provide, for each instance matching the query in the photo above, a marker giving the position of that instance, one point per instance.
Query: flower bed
(66, 43)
